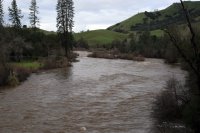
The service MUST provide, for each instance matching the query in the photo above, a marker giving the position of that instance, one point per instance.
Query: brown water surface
(93, 96)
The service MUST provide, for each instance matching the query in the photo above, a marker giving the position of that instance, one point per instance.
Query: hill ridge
(172, 14)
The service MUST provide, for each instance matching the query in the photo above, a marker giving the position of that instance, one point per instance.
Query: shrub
(53, 62)
(168, 107)
(73, 57)
(13, 80)
(4, 73)
(22, 73)
(116, 55)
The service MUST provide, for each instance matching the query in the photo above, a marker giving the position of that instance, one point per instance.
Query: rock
(83, 128)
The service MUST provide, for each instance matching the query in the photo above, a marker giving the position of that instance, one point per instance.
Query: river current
(93, 96)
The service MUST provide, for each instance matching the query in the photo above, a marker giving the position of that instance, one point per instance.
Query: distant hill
(159, 19)
(152, 21)
(100, 37)
(46, 32)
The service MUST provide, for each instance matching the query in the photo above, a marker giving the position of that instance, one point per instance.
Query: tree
(133, 45)
(193, 62)
(34, 20)
(15, 15)
(1, 13)
(192, 58)
(65, 14)
(71, 15)
(82, 43)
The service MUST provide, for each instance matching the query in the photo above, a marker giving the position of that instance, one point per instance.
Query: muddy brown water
(93, 96)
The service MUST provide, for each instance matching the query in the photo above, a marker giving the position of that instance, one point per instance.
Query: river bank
(14, 73)
(98, 95)
(115, 55)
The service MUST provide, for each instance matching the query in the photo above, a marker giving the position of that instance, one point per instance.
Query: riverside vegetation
(28, 51)
(172, 34)
(25, 50)
(143, 34)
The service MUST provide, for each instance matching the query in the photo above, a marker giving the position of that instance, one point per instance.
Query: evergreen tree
(1, 13)
(34, 20)
(15, 15)
(71, 15)
(65, 14)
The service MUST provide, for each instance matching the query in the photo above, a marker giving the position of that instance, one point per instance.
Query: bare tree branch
(184, 56)
(195, 48)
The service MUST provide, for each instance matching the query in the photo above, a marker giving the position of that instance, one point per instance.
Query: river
(93, 96)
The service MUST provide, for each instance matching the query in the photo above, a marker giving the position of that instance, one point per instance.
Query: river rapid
(93, 96)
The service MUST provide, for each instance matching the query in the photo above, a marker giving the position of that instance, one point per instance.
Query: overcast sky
(90, 14)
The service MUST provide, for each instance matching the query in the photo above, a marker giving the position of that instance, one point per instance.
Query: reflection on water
(93, 96)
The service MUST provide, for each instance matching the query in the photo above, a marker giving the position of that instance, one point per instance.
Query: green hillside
(100, 37)
(152, 21)
(159, 19)
(126, 25)
(46, 32)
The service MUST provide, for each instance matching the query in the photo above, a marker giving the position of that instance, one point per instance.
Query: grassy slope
(46, 32)
(100, 37)
(157, 33)
(126, 25)
(171, 10)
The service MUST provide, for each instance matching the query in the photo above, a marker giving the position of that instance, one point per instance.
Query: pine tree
(34, 20)
(71, 15)
(65, 23)
(1, 13)
(15, 15)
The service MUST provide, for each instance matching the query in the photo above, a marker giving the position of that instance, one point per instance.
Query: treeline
(19, 44)
(145, 44)
(15, 15)
(141, 43)
(27, 44)
(33, 41)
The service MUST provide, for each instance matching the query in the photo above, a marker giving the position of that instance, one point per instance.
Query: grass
(170, 11)
(34, 65)
(100, 37)
(157, 33)
(126, 25)
(105, 37)
(46, 32)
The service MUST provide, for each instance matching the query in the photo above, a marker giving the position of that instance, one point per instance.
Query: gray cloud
(90, 14)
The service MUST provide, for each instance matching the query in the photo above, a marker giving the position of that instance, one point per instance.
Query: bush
(13, 80)
(168, 107)
(82, 43)
(171, 55)
(4, 73)
(53, 62)
(73, 57)
(22, 73)
(115, 54)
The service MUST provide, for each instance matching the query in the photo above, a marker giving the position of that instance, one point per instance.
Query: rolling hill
(100, 37)
(159, 19)
(152, 21)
